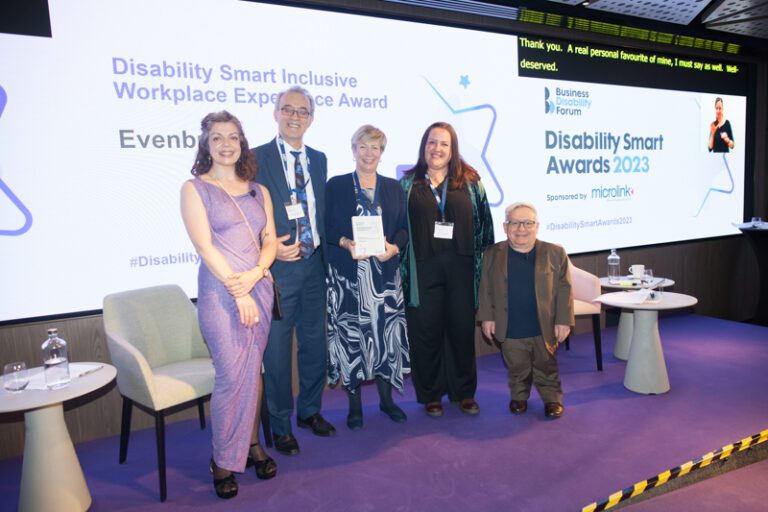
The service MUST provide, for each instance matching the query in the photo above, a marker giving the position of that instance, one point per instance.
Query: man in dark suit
(526, 303)
(295, 176)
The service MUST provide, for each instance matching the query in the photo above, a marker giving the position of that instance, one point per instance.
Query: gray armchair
(586, 288)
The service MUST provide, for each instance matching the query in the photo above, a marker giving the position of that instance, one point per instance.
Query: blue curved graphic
(487, 138)
(719, 190)
(23, 209)
(8, 192)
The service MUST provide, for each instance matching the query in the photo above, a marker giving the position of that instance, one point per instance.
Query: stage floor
(608, 439)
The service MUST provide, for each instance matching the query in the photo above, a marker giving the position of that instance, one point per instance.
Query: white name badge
(444, 230)
(294, 211)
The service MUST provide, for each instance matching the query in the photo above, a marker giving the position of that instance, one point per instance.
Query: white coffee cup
(637, 271)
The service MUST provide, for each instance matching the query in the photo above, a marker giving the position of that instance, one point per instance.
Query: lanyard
(291, 185)
(440, 202)
(368, 207)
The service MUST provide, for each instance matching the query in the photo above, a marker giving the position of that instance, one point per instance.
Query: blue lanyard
(284, 157)
(368, 207)
(440, 202)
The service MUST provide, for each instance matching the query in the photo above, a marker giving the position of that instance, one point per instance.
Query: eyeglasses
(290, 112)
(526, 224)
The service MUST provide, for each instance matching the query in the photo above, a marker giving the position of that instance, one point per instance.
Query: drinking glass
(655, 291)
(648, 276)
(15, 376)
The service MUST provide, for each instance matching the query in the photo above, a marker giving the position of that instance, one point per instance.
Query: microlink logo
(617, 193)
(549, 105)
(566, 102)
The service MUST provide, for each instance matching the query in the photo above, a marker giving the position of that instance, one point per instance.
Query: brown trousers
(529, 361)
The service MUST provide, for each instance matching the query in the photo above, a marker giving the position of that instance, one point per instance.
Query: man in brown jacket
(526, 304)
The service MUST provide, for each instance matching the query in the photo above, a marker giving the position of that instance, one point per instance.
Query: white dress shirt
(290, 176)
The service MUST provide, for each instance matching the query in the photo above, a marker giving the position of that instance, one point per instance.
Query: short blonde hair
(514, 206)
(369, 133)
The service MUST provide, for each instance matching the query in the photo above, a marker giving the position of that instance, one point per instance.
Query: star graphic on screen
(483, 119)
(722, 190)
(464, 82)
(5, 190)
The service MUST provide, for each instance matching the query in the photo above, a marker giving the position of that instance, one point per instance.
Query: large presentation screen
(99, 125)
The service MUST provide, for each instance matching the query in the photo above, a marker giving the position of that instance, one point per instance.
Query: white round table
(51, 476)
(646, 370)
(627, 317)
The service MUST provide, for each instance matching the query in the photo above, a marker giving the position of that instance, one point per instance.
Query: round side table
(627, 317)
(51, 476)
(646, 370)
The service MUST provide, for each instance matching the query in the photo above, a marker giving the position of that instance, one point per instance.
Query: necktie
(306, 243)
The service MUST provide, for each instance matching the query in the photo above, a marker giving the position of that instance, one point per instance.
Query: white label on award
(368, 233)
(294, 211)
(444, 230)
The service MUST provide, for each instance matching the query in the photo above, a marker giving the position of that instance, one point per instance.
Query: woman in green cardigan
(449, 227)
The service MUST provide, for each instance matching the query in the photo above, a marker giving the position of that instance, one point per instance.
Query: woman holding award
(365, 232)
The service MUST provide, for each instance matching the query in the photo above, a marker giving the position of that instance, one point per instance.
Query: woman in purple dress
(229, 220)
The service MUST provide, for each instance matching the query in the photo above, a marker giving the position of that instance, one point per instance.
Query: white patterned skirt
(366, 327)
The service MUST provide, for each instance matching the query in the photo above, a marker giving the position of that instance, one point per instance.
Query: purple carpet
(608, 439)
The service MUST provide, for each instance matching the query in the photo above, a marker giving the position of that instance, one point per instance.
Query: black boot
(386, 404)
(355, 416)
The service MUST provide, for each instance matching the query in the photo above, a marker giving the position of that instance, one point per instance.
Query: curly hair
(245, 168)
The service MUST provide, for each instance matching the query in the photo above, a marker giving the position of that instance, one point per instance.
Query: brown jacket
(554, 296)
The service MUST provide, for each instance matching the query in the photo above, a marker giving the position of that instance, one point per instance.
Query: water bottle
(55, 361)
(614, 265)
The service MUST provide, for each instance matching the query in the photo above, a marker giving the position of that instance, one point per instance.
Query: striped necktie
(306, 243)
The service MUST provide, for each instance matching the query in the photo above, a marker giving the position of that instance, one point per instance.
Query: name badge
(444, 230)
(294, 211)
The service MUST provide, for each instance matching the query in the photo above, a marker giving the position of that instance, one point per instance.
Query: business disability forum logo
(566, 101)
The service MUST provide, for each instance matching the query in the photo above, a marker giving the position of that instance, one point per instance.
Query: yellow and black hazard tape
(658, 480)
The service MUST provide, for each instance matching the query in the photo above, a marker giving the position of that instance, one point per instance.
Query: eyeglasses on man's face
(525, 224)
(300, 112)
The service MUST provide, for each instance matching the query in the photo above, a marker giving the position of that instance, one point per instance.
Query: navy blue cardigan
(342, 203)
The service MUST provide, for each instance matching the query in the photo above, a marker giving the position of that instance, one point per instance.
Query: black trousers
(441, 331)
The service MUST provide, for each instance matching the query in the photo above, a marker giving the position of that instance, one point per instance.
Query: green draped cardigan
(483, 237)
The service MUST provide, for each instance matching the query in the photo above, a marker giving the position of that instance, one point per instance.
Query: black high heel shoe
(226, 487)
(265, 468)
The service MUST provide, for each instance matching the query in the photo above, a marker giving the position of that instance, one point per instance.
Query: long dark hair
(245, 168)
(459, 171)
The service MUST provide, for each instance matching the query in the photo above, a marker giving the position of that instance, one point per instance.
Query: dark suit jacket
(272, 176)
(554, 297)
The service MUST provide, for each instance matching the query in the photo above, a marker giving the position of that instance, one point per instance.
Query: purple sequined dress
(236, 350)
